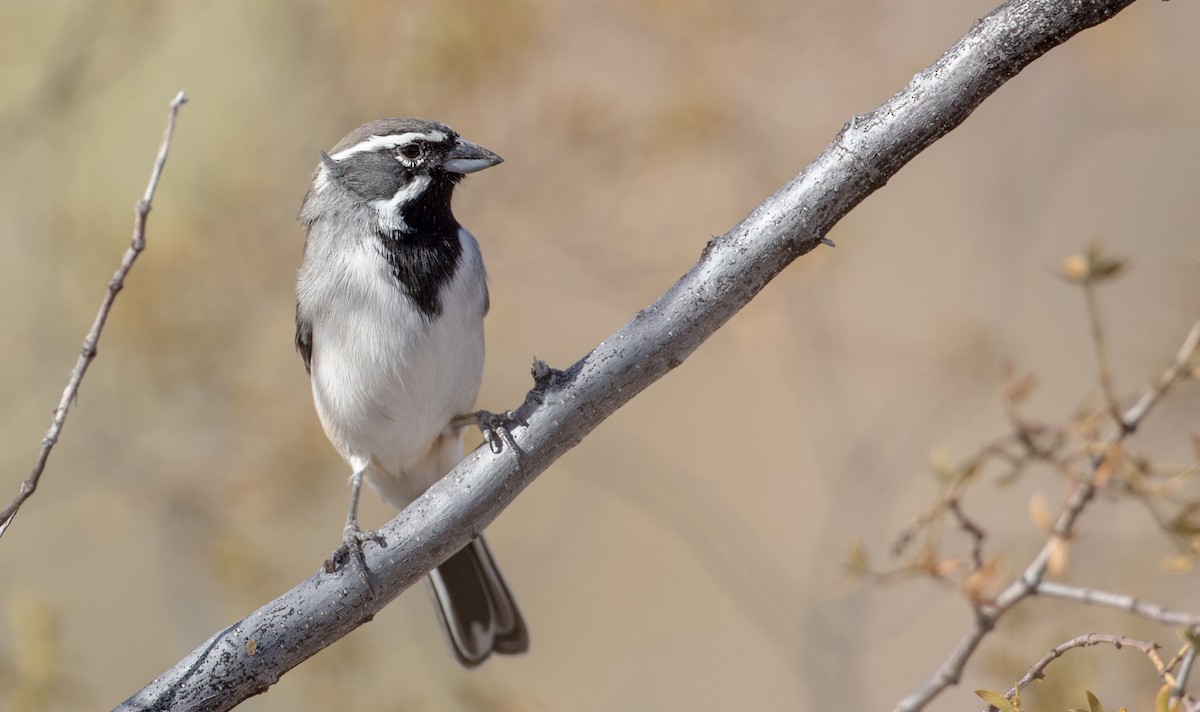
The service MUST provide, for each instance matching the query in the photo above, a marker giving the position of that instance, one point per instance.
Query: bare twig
(973, 530)
(1120, 602)
(1181, 365)
(88, 353)
(1185, 670)
(1032, 578)
(986, 616)
(1100, 347)
(1029, 443)
(1037, 672)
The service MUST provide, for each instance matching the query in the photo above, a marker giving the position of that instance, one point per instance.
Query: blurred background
(689, 554)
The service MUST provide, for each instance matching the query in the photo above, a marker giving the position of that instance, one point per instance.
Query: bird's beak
(467, 157)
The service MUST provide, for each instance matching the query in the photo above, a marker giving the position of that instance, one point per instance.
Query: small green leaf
(997, 700)
(1093, 703)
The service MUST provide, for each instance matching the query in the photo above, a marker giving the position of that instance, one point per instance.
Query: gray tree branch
(564, 406)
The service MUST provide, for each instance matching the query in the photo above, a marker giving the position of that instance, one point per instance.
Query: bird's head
(403, 168)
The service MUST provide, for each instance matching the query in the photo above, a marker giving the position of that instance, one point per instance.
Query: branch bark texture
(564, 406)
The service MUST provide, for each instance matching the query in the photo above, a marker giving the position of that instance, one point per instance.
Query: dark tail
(476, 608)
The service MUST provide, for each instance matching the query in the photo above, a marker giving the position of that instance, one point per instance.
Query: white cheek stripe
(389, 216)
(374, 143)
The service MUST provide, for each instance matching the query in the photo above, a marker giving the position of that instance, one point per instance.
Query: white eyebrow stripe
(373, 143)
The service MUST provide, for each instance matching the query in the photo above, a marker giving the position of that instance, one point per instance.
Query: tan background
(687, 555)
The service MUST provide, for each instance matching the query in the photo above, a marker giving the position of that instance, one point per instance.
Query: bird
(390, 301)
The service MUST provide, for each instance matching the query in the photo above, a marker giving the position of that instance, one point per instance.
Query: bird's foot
(496, 427)
(351, 549)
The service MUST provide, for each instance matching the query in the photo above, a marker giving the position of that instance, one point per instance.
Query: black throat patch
(423, 261)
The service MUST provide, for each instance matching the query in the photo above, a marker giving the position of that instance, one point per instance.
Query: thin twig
(88, 353)
(1031, 579)
(1185, 670)
(1037, 672)
(1178, 368)
(1100, 345)
(973, 530)
(1025, 439)
(1120, 602)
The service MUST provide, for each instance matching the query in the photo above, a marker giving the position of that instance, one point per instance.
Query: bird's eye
(411, 151)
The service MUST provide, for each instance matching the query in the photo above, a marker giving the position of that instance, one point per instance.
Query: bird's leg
(353, 537)
(496, 427)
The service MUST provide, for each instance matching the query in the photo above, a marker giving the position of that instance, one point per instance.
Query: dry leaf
(1181, 564)
(945, 568)
(941, 464)
(1018, 389)
(1039, 512)
(1094, 266)
(1075, 268)
(1108, 465)
(1056, 564)
(981, 586)
(857, 563)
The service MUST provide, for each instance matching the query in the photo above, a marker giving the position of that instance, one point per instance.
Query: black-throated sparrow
(389, 321)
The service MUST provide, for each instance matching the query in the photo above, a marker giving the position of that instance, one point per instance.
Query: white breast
(386, 380)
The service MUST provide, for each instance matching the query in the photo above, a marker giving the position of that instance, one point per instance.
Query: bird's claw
(353, 539)
(496, 429)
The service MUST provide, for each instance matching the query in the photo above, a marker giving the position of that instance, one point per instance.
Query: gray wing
(304, 339)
